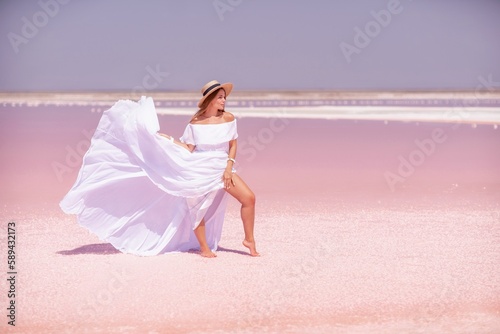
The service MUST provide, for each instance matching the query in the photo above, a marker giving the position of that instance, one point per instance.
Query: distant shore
(472, 107)
(110, 96)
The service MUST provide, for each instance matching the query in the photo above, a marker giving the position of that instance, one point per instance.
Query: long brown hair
(205, 104)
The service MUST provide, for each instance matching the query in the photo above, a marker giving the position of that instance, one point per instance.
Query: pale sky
(97, 45)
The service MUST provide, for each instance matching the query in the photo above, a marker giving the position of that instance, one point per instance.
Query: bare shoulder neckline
(234, 120)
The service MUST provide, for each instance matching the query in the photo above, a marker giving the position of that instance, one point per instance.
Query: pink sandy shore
(343, 250)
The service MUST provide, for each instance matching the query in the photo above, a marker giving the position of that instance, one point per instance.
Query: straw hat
(211, 87)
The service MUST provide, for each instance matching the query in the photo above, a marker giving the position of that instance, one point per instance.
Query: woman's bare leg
(205, 251)
(246, 197)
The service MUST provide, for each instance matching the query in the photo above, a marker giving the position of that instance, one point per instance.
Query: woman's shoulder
(228, 117)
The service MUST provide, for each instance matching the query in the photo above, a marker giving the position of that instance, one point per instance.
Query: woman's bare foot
(251, 246)
(207, 253)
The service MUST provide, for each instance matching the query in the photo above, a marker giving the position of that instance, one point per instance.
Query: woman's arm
(228, 172)
(188, 147)
(232, 152)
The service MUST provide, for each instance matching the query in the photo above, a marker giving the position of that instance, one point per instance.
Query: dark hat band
(210, 88)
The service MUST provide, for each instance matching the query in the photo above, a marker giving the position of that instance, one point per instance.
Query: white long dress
(144, 194)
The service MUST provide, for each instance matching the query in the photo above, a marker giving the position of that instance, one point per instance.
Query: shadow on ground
(103, 249)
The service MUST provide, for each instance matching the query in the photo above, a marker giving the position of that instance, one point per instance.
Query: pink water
(343, 250)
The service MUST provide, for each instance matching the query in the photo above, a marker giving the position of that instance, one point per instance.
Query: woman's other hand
(227, 177)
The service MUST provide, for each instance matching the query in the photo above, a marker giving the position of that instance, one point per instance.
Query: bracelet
(231, 159)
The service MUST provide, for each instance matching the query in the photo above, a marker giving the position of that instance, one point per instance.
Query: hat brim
(228, 87)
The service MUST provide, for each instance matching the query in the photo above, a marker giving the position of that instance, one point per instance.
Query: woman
(147, 195)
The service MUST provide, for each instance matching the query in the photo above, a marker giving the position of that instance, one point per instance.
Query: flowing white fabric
(145, 194)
